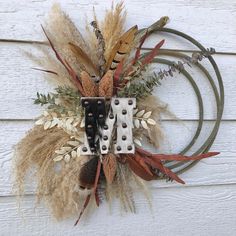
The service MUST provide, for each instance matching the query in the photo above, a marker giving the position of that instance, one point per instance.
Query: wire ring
(180, 167)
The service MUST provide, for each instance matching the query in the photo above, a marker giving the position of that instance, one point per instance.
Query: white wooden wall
(206, 205)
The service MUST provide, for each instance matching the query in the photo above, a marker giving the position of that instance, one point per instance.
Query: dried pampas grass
(57, 183)
(157, 107)
(62, 31)
(112, 26)
(46, 60)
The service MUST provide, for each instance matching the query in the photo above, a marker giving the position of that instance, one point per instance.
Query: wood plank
(20, 84)
(218, 170)
(201, 19)
(176, 211)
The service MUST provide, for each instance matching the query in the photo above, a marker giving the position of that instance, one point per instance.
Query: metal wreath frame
(180, 167)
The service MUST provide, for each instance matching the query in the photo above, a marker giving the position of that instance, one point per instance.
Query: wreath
(87, 145)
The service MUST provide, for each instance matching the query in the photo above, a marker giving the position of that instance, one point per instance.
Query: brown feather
(98, 171)
(88, 173)
(84, 59)
(138, 169)
(121, 48)
(109, 167)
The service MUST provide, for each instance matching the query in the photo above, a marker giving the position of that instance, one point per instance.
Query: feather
(98, 171)
(84, 59)
(46, 71)
(148, 59)
(106, 85)
(138, 169)
(142, 163)
(183, 158)
(87, 174)
(154, 160)
(137, 54)
(121, 48)
(65, 64)
(109, 167)
(158, 165)
(83, 209)
(116, 77)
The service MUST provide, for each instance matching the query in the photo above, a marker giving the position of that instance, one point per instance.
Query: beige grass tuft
(57, 183)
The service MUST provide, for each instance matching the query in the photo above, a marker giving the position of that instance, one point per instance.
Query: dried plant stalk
(89, 86)
(109, 167)
(106, 85)
(151, 103)
(58, 185)
(62, 36)
(112, 27)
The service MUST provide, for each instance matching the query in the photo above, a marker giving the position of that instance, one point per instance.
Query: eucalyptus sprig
(63, 100)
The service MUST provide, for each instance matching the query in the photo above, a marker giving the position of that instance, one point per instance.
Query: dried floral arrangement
(87, 145)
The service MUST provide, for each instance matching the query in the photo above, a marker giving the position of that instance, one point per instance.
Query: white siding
(206, 205)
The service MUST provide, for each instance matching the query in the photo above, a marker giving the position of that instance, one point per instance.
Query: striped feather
(122, 47)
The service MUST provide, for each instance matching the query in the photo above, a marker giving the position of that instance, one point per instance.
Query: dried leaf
(151, 121)
(73, 143)
(148, 59)
(58, 158)
(106, 85)
(144, 124)
(66, 148)
(135, 111)
(74, 154)
(53, 123)
(67, 158)
(61, 151)
(109, 167)
(47, 125)
(40, 122)
(147, 115)
(138, 142)
(137, 123)
(140, 113)
(90, 88)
